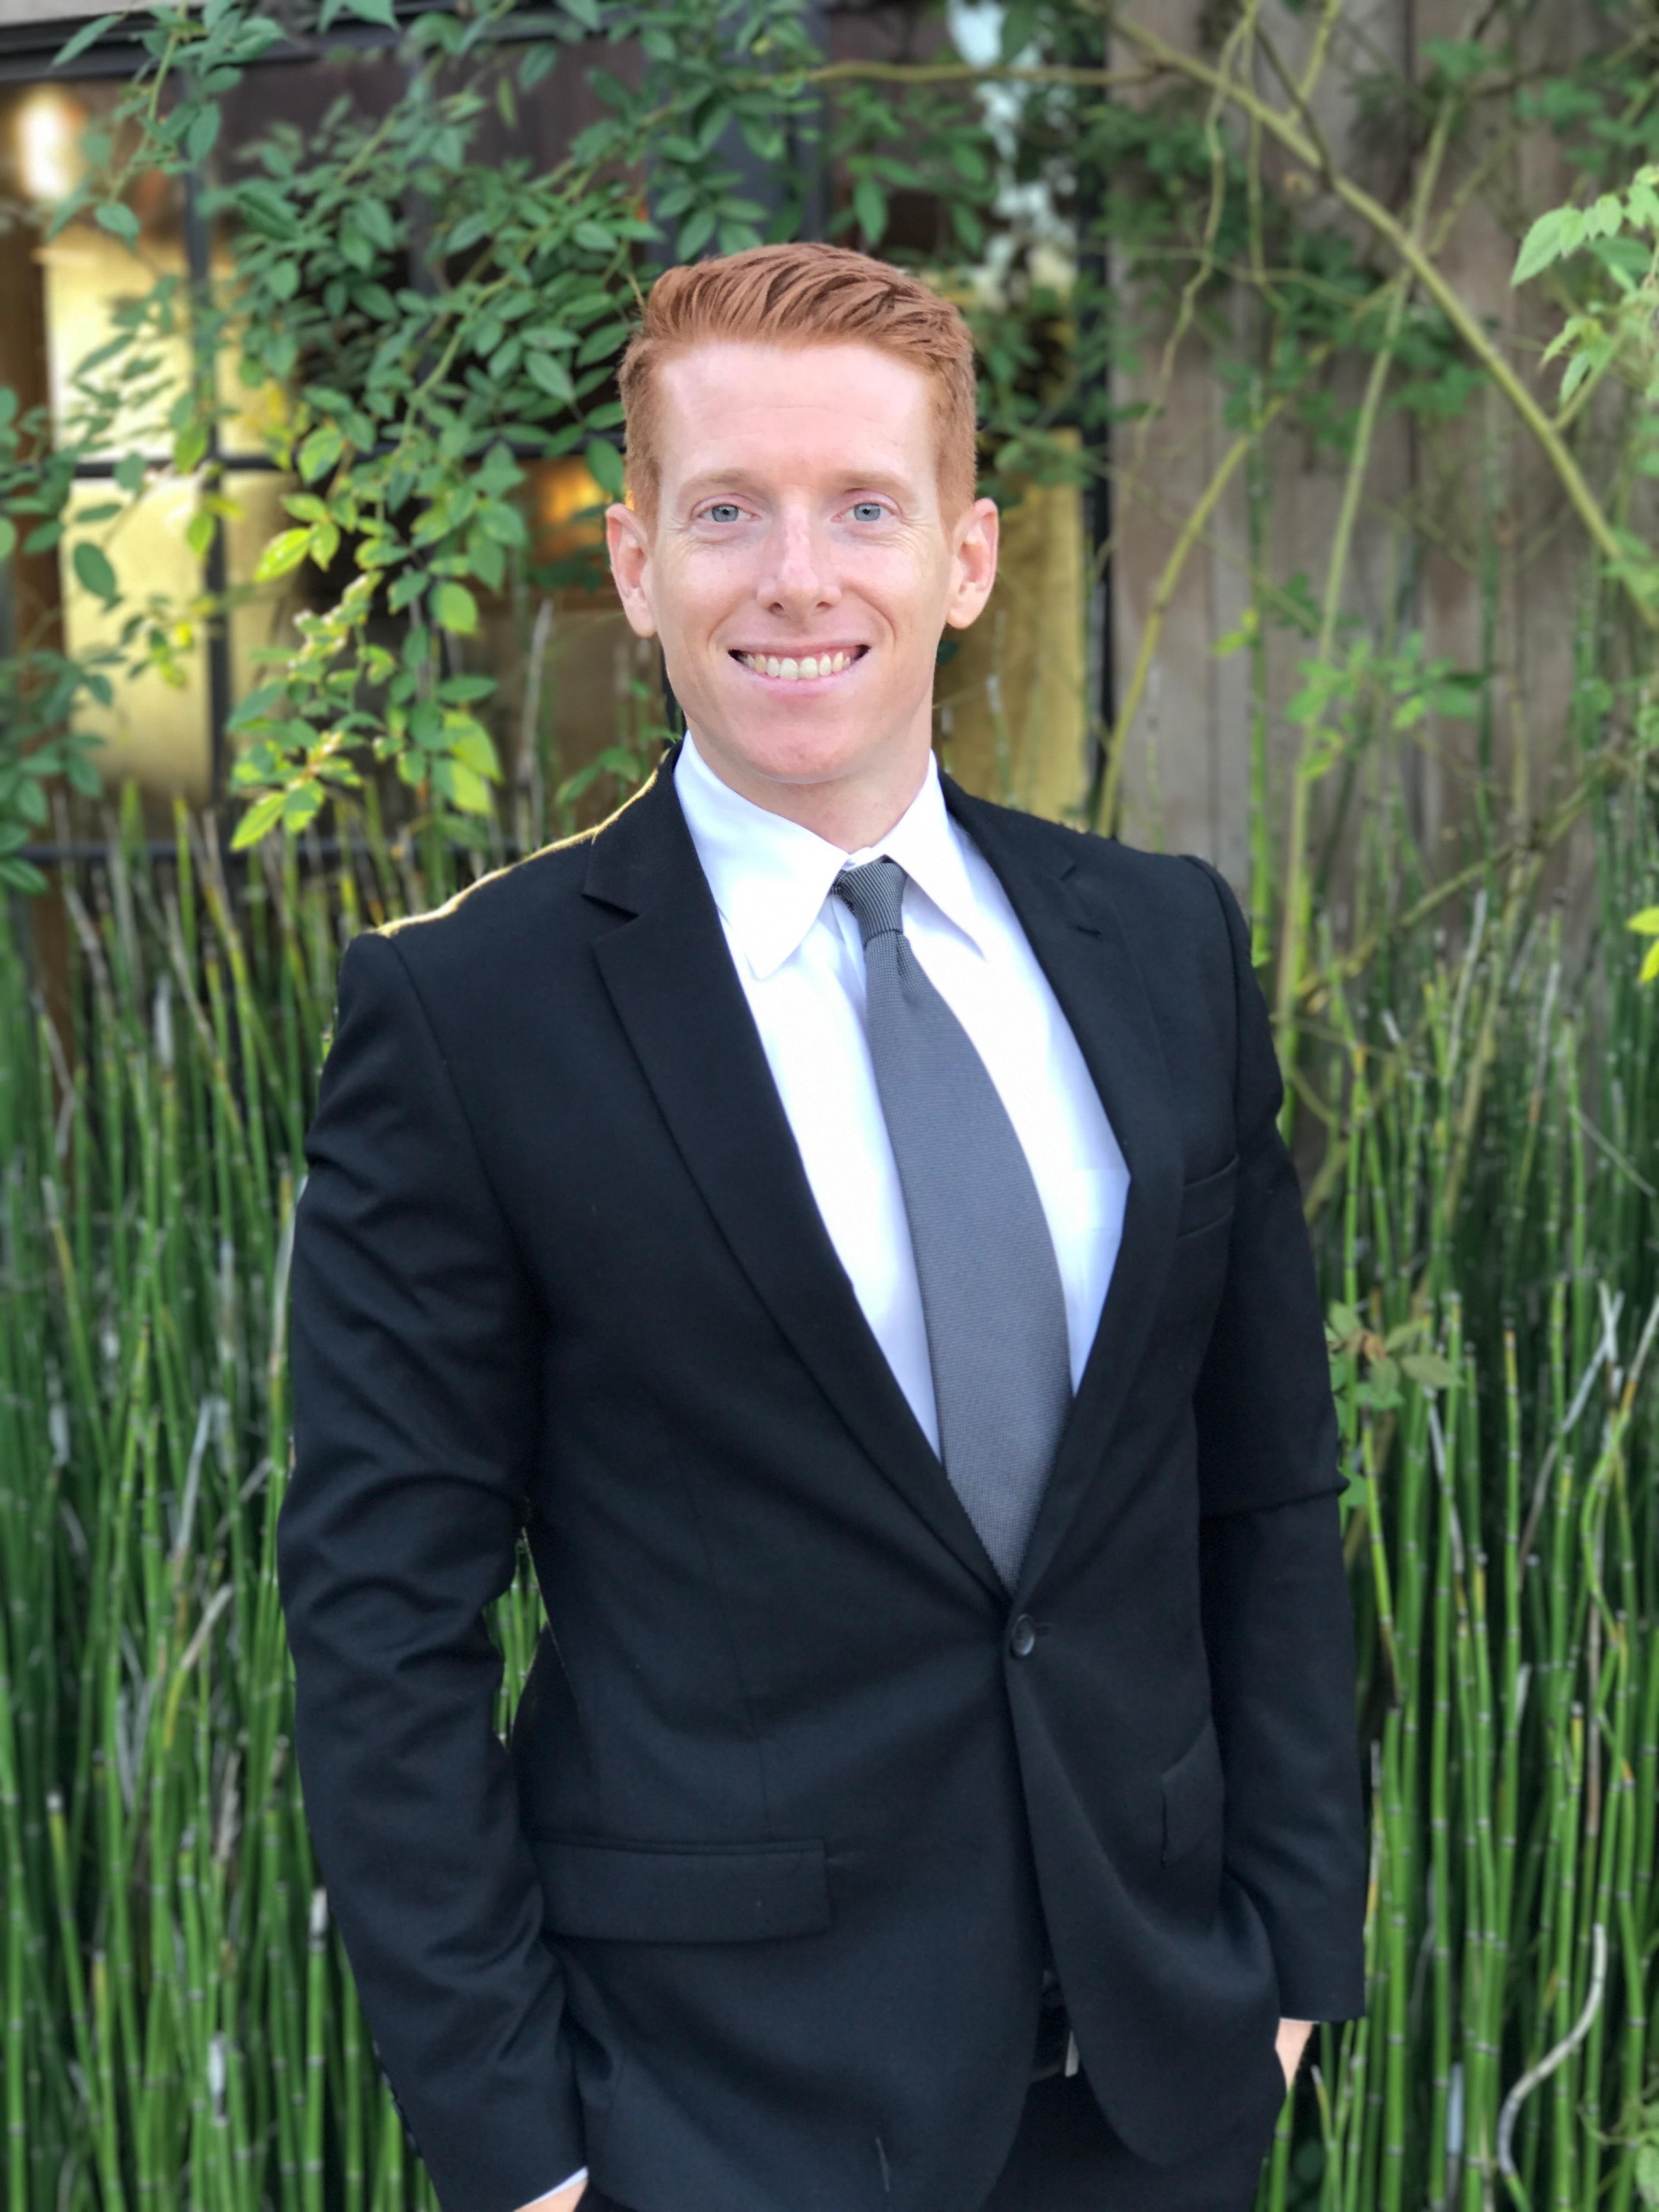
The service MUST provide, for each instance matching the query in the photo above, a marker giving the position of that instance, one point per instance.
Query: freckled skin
(798, 511)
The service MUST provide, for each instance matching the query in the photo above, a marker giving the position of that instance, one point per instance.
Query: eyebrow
(738, 479)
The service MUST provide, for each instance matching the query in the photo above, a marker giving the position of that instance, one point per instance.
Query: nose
(797, 576)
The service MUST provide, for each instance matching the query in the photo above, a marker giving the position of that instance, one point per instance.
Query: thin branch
(1433, 280)
(1298, 888)
(1191, 529)
(966, 73)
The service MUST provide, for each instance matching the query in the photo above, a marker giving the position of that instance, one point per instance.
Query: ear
(973, 562)
(628, 543)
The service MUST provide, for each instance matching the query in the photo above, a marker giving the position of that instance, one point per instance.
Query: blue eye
(868, 510)
(724, 510)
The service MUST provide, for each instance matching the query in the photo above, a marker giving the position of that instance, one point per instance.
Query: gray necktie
(990, 1284)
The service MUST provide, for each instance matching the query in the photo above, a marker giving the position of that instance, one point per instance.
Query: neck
(851, 811)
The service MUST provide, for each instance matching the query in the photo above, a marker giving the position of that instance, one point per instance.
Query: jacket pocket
(1207, 1200)
(683, 1893)
(1194, 1793)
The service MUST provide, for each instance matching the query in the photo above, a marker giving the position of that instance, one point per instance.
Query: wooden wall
(1186, 778)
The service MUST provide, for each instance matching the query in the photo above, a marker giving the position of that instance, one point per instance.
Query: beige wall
(53, 11)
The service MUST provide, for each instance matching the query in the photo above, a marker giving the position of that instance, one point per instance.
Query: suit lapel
(1080, 941)
(670, 976)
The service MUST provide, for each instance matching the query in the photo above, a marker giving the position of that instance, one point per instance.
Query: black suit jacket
(750, 1913)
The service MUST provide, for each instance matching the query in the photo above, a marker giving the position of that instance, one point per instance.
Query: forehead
(729, 404)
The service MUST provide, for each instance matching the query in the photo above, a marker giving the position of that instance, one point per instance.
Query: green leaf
(83, 775)
(600, 345)
(269, 211)
(1577, 370)
(504, 524)
(319, 452)
(264, 814)
(8, 537)
(1541, 245)
(695, 234)
(604, 465)
(471, 745)
(487, 561)
(91, 565)
(1018, 25)
(462, 786)
(1428, 1370)
(204, 132)
(870, 206)
(1646, 923)
(374, 218)
(454, 608)
(551, 377)
(257, 703)
(285, 551)
(87, 35)
(498, 472)
(130, 471)
(115, 217)
(467, 232)
(1460, 60)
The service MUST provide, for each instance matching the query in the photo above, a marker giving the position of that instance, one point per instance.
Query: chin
(785, 755)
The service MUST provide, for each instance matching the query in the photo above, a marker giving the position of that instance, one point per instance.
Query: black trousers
(1067, 2157)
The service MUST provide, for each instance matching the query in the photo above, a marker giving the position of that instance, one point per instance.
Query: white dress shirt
(800, 961)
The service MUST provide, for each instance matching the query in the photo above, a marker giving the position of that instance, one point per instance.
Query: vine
(439, 323)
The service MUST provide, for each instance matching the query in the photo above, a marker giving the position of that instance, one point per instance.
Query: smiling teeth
(797, 672)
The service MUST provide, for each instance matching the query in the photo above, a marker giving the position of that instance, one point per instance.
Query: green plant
(1472, 1087)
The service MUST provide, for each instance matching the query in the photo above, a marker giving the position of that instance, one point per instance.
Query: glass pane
(155, 727)
(28, 581)
(253, 415)
(87, 272)
(261, 615)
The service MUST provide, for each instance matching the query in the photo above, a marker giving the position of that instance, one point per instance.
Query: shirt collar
(770, 877)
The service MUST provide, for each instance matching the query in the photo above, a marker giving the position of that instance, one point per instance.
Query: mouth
(824, 666)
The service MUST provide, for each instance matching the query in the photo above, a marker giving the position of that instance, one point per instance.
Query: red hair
(802, 295)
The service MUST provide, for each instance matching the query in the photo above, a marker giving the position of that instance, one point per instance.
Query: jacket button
(1022, 1637)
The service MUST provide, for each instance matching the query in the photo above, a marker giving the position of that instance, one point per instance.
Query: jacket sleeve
(414, 1405)
(1277, 1610)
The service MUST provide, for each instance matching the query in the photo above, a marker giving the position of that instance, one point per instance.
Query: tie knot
(875, 893)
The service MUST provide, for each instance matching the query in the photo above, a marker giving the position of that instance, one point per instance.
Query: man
(845, 1223)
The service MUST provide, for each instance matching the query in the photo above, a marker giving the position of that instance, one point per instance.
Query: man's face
(800, 570)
